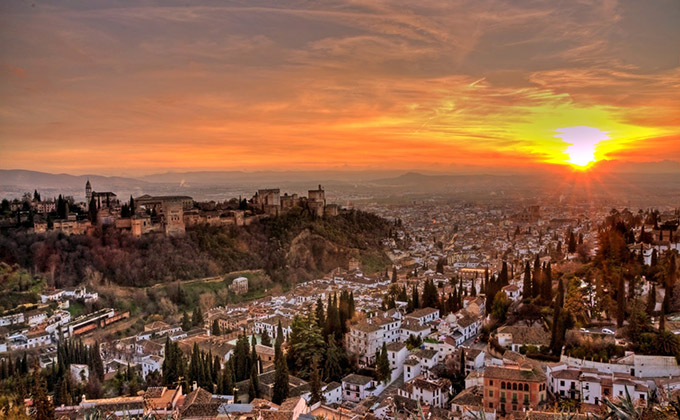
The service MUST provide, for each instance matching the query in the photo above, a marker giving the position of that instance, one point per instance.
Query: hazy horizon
(132, 87)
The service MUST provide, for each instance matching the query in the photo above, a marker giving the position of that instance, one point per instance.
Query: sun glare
(582, 143)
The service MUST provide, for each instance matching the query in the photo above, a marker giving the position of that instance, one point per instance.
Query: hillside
(288, 248)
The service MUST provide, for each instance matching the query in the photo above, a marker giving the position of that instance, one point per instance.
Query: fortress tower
(88, 194)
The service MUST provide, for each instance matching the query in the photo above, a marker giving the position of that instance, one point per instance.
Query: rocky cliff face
(316, 254)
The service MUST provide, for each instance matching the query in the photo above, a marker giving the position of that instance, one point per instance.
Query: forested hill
(289, 248)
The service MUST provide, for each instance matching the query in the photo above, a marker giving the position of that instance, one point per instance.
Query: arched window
(526, 387)
(514, 387)
(502, 385)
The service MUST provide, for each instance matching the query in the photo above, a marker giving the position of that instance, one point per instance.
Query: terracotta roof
(514, 374)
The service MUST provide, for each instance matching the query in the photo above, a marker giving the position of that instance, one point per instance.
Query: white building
(150, 364)
(431, 392)
(424, 315)
(356, 387)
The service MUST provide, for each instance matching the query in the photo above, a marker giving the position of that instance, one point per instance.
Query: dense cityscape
(339, 210)
(454, 309)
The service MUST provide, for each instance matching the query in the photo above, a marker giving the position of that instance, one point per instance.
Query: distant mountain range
(218, 185)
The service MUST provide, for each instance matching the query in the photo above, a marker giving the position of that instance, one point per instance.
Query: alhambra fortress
(171, 214)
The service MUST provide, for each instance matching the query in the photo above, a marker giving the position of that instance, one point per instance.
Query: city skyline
(121, 88)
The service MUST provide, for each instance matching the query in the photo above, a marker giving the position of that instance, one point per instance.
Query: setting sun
(583, 142)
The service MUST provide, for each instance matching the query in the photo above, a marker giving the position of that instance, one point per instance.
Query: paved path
(391, 388)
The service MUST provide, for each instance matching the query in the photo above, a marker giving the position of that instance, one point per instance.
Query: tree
(383, 370)
(44, 410)
(320, 314)
(197, 317)
(216, 328)
(306, 342)
(536, 278)
(415, 298)
(526, 285)
(254, 386)
(394, 275)
(315, 382)
(546, 285)
(92, 210)
(280, 391)
(620, 303)
(666, 343)
(186, 322)
(226, 386)
(572, 242)
(430, 295)
(332, 368)
(651, 300)
(36, 195)
(501, 303)
(440, 266)
(265, 339)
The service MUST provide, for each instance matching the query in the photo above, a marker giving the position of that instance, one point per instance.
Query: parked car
(583, 330)
(608, 331)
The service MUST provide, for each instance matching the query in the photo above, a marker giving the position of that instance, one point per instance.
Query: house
(332, 393)
(271, 324)
(239, 285)
(356, 387)
(514, 387)
(424, 315)
(427, 358)
(513, 292)
(364, 339)
(412, 368)
(35, 318)
(431, 392)
(411, 327)
(160, 400)
(151, 363)
(397, 354)
(514, 337)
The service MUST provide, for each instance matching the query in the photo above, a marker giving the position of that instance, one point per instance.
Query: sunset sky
(136, 87)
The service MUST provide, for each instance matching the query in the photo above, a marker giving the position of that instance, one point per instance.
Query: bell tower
(88, 194)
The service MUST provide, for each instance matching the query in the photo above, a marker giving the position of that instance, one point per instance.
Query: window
(561, 383)
(490, 393)
(490, 405)
(502, 385)
(491, 382)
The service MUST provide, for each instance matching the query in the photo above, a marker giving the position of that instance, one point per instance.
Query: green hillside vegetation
(18, 287)
(289, 248)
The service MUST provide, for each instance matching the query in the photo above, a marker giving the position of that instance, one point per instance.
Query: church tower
(88, 194)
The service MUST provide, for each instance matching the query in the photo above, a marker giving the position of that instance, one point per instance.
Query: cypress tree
(216, 328)
(320, 315)
(383, 371)
(254, 387)
(186, 322)
(651, 300)
(620, 303)
(526, 286)
(415, 298)
(280, 391)
(546, 285)
(536, 278)
(394, 275)
(332, 367)
(572, 242)
(197, 317)
(44, 410)
(315, 382)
